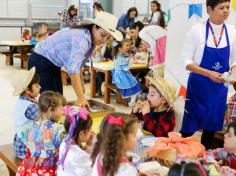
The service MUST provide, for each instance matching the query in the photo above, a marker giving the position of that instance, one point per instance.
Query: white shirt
(155, 18)
(125, 169)
(195, 43)
(77, 162)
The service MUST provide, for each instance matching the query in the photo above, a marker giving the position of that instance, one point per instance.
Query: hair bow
(73, 113)
(112, 120)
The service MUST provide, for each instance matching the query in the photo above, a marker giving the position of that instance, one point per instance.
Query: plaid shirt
(231, 113)
(68, 21)
(32, 111)
(69, 48)
(229, 159)
(158, 123)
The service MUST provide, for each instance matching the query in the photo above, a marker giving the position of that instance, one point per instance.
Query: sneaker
(131, 104)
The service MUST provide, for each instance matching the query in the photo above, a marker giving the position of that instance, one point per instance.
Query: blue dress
(122, 77)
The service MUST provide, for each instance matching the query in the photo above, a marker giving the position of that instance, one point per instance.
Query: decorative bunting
(195, 9)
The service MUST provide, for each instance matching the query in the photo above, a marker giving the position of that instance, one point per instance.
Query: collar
(28, 98)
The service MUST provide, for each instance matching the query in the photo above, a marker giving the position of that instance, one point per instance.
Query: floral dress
(42, 140)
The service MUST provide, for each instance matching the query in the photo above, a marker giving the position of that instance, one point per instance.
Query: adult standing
(97, 7)
(209, 51)
(127, 20)
(69, 17)
(70, 48)
(157, 17)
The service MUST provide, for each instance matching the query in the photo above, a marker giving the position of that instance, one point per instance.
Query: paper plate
(148, 141)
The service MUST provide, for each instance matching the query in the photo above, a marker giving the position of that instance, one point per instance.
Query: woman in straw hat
(157, 111)
(71, 48)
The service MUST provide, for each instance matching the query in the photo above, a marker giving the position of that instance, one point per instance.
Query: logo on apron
(217, 66)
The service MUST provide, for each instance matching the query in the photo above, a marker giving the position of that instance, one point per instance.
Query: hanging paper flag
(195, 9)
(234, 4)
(182, 92)
(168, 16)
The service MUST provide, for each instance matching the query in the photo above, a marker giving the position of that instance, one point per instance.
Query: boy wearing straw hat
(26, 86)
(157, 111)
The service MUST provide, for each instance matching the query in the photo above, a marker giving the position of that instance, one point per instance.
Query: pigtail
(96, 148)
(113, 146)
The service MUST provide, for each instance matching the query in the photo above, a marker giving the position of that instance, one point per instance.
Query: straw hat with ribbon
(165, 87)
(21, 80)
(106, 21)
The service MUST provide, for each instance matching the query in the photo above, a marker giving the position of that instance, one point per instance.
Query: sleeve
(78, 53)
(215, 155)
(190, 47)
(159, 127)
(121, 22)
(146, 34)
(81, 164)
(155, 18)
(233, 53)
(58, 134)
(32, 111)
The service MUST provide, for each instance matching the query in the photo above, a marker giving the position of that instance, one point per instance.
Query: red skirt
(32, 166)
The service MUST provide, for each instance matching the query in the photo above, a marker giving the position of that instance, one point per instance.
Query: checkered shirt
(32, 111)
(19, 147)
(158, 123)
(69, 20)
(231, 113)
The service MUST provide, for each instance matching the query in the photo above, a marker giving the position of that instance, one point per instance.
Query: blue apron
(206, 100)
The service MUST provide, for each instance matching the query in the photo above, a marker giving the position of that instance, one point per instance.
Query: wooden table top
(110, 65)
(15, 43)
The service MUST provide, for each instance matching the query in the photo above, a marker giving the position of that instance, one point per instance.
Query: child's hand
(137, 106)
(145, 107)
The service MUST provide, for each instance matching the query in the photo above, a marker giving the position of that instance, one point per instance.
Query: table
(24, 47)
(106, 67)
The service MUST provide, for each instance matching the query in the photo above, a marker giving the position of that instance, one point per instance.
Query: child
(227, 154)
(26, 35)
(121, 76)
(187, 169)
(26, 85)
(74, 160)
(40, 38)
(157, 112)
(119, 137)
(43, 138)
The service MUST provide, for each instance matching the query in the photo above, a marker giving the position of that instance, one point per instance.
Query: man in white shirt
(209, 51)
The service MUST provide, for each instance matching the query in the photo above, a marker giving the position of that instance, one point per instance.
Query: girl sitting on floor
(121, 75)
(43, 138)
(119, 137)
(157, 111)
(74, 159)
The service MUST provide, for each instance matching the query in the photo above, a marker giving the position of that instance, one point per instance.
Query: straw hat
(166, 88)
(21, 80)
(106, 21)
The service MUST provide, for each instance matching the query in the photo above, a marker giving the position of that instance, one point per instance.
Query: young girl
(157, 17)
(26, 86)
(121, 76)
(119, 137)
(43, 138)
(187, 169)
(73, 159)
(157, 111)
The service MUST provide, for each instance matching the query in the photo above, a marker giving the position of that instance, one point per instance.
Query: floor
(7, 101)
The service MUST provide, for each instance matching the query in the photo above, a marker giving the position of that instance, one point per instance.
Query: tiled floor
(7, 101)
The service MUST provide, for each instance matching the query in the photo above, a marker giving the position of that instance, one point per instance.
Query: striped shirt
(67, 48)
